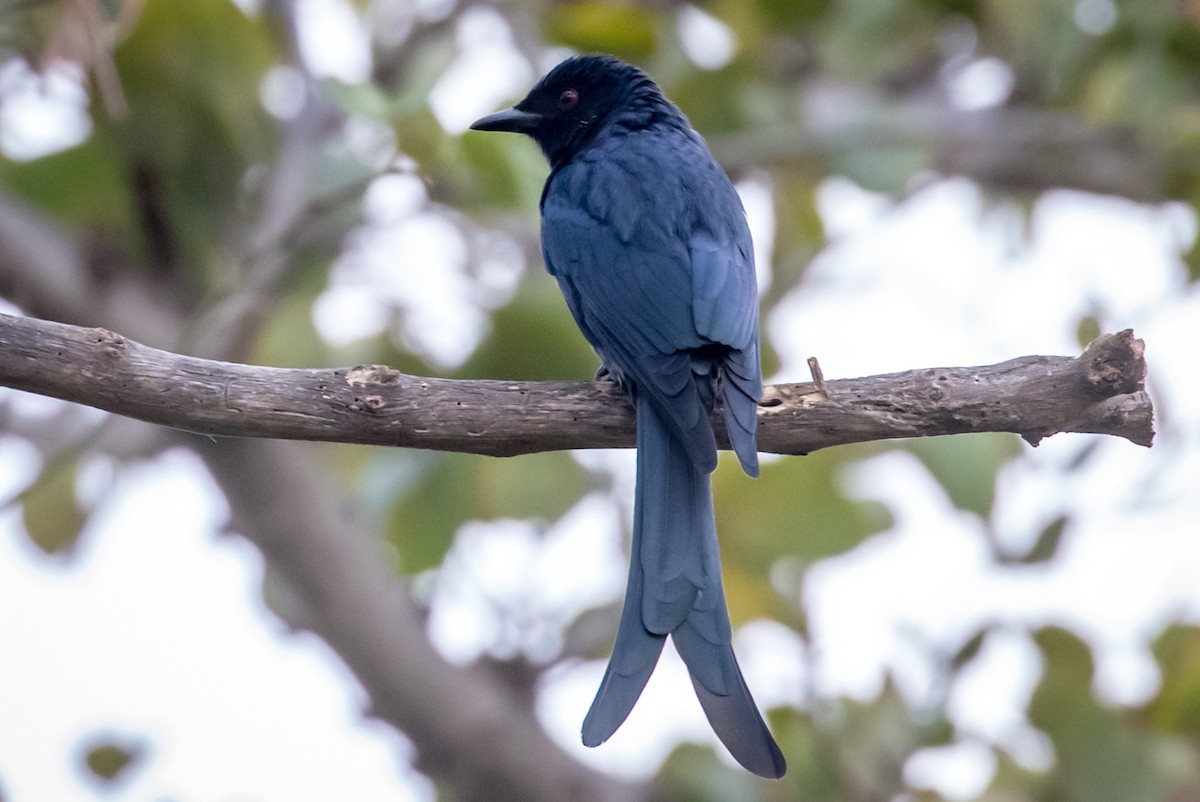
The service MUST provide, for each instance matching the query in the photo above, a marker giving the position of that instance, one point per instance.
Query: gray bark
(1101, 391)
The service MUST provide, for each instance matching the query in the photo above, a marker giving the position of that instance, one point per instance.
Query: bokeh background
(930, 182)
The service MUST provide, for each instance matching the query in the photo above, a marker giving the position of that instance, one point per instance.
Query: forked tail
(675, 589)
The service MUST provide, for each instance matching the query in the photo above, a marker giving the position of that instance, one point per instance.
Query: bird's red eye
(568, 99)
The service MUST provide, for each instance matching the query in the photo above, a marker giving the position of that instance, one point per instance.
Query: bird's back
(648, 240)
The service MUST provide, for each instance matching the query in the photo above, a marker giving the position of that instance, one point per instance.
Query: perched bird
(648, 241)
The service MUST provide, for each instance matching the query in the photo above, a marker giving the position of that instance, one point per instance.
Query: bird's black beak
(515, 120)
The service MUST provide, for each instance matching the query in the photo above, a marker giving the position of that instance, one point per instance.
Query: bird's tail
(675, 588)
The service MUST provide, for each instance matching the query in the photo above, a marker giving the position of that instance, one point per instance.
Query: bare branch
(1101, 391)
(1010, 148)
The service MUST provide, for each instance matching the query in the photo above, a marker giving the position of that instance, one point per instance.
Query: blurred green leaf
(796, 507)
(721, 101)
(1176, 707)
(783, 14)
(189, 59)
(865, 39)
(696, 777)
(289, 338)
(966, 465)
(622, 29)
(1191, 260)
(533, 338)
(507, 172)
(800, 231)
(451, 489)
(812, 743)
(1044, 40)
(1048, 541)
(879, 736)
(1087, 330)
(1065, 688)
(80, 186)
(1099, 757)
(108, 759)
(970, 649)
(191, 73)
(52, 516)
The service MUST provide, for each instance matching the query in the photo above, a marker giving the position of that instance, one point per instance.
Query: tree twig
(1101, 391)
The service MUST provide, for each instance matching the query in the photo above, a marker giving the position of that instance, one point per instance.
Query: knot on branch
(1115, 364)
(111, 344)
(368, 375)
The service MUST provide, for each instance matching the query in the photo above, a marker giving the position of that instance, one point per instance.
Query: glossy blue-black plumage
(647, 238)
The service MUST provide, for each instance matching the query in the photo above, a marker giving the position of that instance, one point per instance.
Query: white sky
(158, 632)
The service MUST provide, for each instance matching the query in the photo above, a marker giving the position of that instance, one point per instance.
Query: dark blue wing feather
(646, 287)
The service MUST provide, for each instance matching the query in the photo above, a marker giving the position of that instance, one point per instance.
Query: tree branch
(1102, 391)
(1011, 148)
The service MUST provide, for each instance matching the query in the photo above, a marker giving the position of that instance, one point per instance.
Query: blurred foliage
(52, 516)
(965, 466)
(175, 174)
(109, 759)
(622, 29)
(444, 491)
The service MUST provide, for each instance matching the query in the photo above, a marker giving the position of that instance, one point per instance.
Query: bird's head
(566, 109)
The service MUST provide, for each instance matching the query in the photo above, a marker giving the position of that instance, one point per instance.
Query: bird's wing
(725, 304)
(650, 277)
